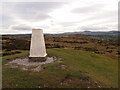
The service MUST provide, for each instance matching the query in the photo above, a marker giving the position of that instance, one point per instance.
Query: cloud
(97, 13)
(66, 24)
(21, 27)
(88, 9)
(104, 15)
(14, 12)
(33, 11)
(7, 20)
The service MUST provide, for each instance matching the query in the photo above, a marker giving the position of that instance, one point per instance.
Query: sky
(59, 17)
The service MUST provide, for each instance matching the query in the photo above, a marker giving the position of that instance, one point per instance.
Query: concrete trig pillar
(37, 47)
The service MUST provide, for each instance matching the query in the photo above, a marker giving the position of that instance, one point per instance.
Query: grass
(98, 68)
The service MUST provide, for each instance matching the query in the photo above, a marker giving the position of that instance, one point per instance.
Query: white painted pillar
(37, 47)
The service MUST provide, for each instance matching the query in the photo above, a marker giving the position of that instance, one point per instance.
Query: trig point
(37, 47)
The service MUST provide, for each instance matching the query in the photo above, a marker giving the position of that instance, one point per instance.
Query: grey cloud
(65, 24)
(33, 10)
(97, 13)
(103, 17)
(7, 20)
(106, 15)
(28, 11)
(88, 9)
(21, 27)
(34, 17)
(31, 7)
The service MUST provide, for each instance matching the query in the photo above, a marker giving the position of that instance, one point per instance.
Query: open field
(76, 68)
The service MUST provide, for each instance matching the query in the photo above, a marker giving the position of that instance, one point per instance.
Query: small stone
(63, 67)
(61, 83)
(99, 86)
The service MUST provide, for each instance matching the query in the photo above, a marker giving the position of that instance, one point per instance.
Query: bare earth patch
(83, 82)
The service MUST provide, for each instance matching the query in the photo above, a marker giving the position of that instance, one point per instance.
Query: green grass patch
(98, 68)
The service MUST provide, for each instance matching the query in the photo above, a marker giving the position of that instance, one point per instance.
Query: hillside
(101, 33)
(73, 68)
(103, 45)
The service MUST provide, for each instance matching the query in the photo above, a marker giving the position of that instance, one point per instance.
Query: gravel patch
(26, 62)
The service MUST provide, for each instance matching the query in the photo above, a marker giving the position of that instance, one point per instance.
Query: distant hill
(90, 33)
(110, 33)
(13, 36)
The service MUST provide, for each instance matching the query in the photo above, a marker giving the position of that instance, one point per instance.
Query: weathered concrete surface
(37, 47)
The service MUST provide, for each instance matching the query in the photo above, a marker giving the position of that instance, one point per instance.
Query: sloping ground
(73, 68)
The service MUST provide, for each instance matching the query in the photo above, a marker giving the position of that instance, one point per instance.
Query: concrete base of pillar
(37, 59)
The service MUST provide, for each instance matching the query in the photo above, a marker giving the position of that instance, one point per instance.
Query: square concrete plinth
(37, 59)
